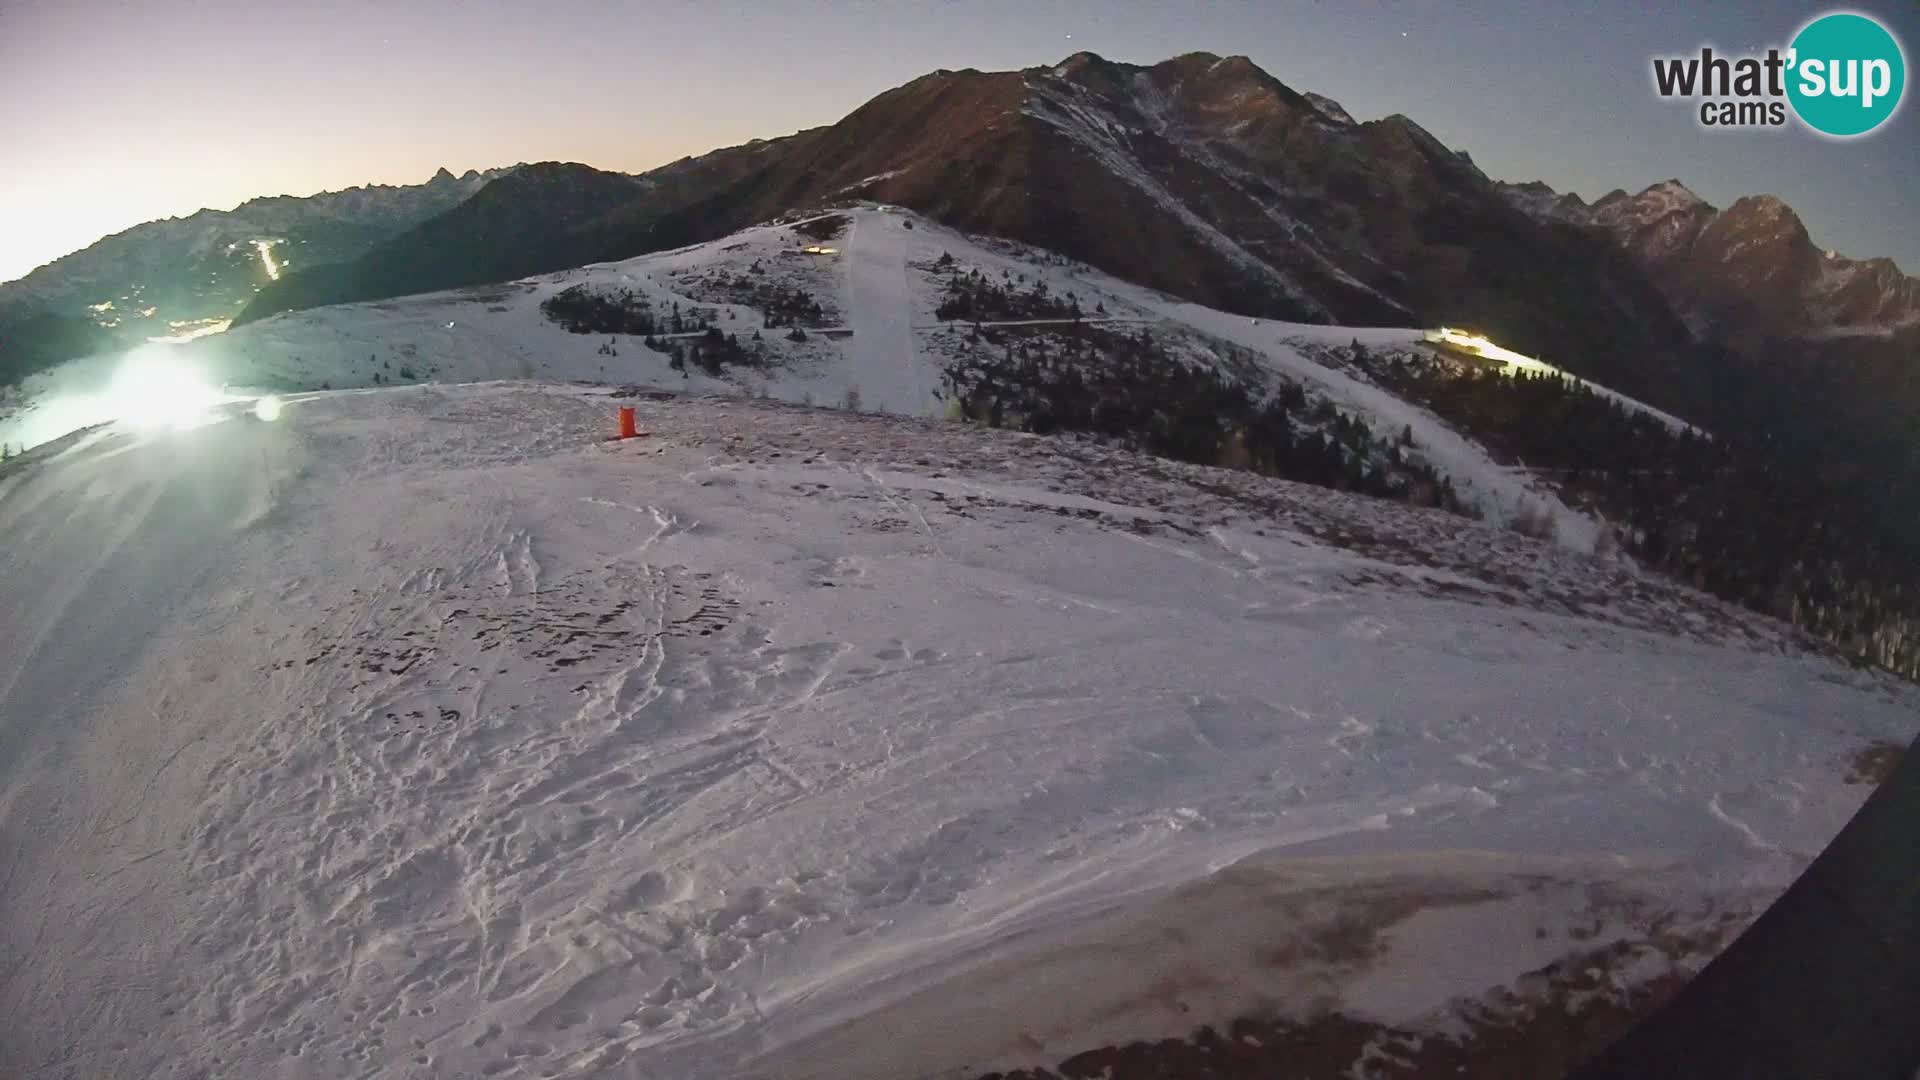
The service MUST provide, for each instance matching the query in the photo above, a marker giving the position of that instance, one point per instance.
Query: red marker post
(628, 428)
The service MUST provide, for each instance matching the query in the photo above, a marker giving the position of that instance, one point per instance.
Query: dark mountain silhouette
(1201, 176)
(164, 277)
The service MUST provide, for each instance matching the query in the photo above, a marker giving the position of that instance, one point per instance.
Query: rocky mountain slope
(1813, 357)
(1745, 273)
(1202, 176)
(175, 276)
(873, 322)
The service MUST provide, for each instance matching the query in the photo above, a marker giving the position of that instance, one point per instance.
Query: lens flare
(153, 391)
(267, 408)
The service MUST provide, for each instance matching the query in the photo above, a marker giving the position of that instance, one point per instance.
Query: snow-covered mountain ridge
(878, 341)
(1201, 176)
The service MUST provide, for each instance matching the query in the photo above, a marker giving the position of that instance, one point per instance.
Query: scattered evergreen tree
(581, 310)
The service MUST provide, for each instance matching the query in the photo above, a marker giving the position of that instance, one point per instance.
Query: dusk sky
(118, 113)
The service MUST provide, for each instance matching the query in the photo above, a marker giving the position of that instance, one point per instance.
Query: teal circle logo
(1847, 74)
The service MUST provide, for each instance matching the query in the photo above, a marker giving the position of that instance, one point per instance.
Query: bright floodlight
(153, 390)
(267, 408)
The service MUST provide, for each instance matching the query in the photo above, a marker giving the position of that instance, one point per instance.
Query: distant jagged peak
(1084, 60)
(1213, 70)
(1091, 71)
(1654, 203)
(1330, 108)
(1540, 200)
(1672, 189)
(1763, 206)
(1404, 126)
(1201, 62)
(1764, 220)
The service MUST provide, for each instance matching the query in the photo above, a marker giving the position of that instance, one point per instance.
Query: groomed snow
(423, 733)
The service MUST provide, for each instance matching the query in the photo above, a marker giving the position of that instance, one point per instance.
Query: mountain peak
(1673, 190)
(1083, 59)
(1405, 127)
(1085, 68)
(1088, 68)
(1235, 64)
(442, 176)
(1213, 65)
(1330, 108)
(1763, 205)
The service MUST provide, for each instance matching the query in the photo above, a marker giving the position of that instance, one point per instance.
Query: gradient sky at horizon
(120, 112)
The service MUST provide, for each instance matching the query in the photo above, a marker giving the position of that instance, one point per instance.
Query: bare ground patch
(1571, 1011)
(1873, 764)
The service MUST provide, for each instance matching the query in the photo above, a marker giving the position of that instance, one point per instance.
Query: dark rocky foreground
(1825, 984)
(1505, 1040)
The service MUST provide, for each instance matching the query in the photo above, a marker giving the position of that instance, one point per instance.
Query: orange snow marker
(628, 429)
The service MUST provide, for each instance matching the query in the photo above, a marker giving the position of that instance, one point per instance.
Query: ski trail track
(882, 359)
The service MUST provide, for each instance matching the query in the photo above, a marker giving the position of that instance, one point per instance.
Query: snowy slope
(886, 346)
(422, 733)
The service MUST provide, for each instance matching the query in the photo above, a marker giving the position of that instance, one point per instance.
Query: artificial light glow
(154, 391)
(200, 329)
(267, 408)
(1480, 346)
(265, 248)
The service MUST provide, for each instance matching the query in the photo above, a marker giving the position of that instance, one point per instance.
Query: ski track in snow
(882, 359)
(424, 733)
